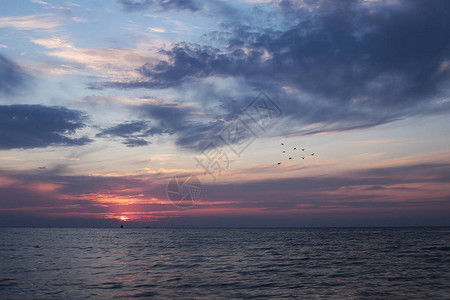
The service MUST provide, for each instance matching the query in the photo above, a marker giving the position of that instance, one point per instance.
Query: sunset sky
(103, 102)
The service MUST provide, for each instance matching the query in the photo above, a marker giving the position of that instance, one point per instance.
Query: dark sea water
(356, 263)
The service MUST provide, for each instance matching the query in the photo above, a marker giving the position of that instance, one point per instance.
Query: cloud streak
(141, 5)
(40, 22)
(132, 132)
(417, 189)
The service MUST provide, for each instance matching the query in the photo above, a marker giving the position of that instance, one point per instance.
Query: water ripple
(356, 263)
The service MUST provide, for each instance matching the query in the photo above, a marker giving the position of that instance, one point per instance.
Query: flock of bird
(284, 152)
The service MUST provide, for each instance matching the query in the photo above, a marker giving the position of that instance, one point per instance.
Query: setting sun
(123, 219)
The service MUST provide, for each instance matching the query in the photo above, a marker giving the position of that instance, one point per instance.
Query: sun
(123, 218)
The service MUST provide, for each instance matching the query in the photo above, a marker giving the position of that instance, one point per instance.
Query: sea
(225, 263)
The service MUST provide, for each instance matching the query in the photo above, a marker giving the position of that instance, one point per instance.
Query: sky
(110, 110)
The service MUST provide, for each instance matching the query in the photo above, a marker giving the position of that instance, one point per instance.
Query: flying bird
(303, 149)
(295, 148)
(283, 152)
(312, 154)
(290, 157)
(282, 144)
(279, 163)
(303, 157)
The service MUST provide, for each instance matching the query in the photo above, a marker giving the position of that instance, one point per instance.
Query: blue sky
(103, 102)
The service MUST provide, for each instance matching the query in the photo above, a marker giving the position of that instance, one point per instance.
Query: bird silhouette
(303, 157)
(303, 149)
(282, 144)
(279, 163)
(295, 148)
(283, 152)
(312, 154)
(290, 157)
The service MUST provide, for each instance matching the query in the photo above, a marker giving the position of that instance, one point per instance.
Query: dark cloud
(136, 142)
(356, 64)
(12, 77)
(170, 116)
(125, 129)
(37, 126)
(140, 5)
(169, 119)
(186, 63)
(191, 132)
(344, 54)
(158, 131)
(194, 129)
(392, 56)
(132, 133)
